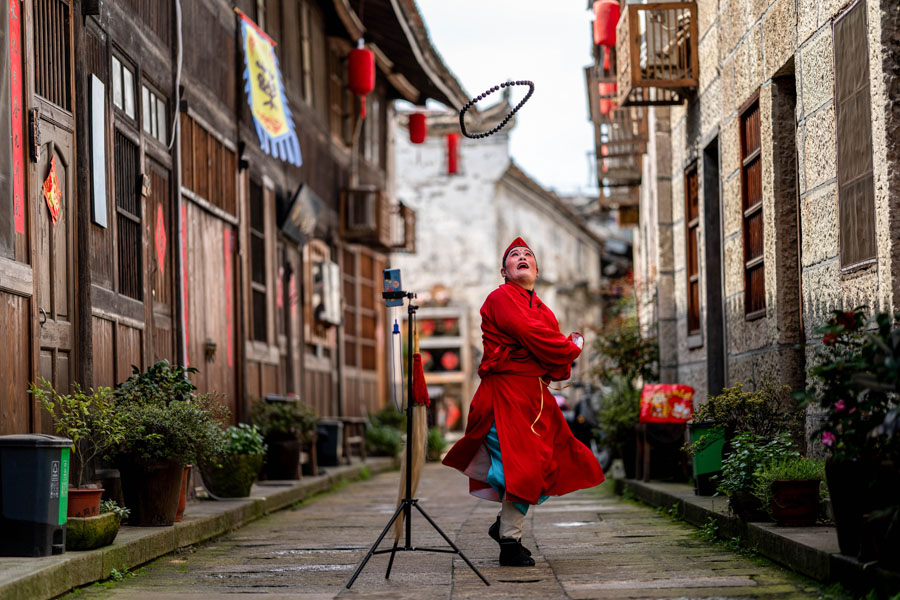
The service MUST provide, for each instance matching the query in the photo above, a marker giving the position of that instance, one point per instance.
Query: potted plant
(384, 433)
(790, 489)
(619, 413)
(234, 473)
(89, 420)
(285, 426)
(748, 452)
(97, 531)
(853, 384)
(167, 425)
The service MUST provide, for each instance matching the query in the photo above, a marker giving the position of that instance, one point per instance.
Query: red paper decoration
(361, 75)
(606, 17)
(418, 128)
(453, 153)
(52, 192)
(607, 104)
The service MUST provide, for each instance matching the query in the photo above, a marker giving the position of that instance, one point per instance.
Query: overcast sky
(486, 42)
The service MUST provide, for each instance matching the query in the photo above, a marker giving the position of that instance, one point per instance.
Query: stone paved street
(590, 544)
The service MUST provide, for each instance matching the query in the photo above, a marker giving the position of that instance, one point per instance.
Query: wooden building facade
(169, 240)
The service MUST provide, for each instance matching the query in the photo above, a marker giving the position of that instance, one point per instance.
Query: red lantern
(606, 53)
(449, 360)
(452, 153)
(418, 128)
(361, 74)
(606, 17)
(604, 150)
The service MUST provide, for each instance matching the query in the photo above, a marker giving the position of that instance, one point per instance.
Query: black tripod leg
(387, 575)
(452, 545)
(375, 545)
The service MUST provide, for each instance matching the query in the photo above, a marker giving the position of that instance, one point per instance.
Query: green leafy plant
(161, 383)
(748, 453)
(709, 532)
(244, 439)
(854, 380)
(88, 418)
(110, 506)
(388, 416)
(794, 468)
(187, 431)
(285, 420)
(765, 411)
(435, 443)
(383, 441)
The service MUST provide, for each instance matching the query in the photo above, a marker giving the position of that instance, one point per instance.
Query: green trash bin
(708, 459)
(34, 494)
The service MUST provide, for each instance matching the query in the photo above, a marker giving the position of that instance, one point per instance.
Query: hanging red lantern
(606, 17)
(606, 53)
(452, 153)
(361, 74)
(604, 150)
(418, 128)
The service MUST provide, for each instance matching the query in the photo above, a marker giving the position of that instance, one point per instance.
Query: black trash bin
(34, 494)
(328, 442)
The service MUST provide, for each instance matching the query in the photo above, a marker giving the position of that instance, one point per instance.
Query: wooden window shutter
(751, 194)
(128, 218)
(692, 247)
(852, 100)
(258, 299)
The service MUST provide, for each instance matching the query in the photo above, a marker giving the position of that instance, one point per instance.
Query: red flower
(829, 339)
(846, 319)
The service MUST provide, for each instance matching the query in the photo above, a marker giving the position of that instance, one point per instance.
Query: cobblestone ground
(589, 544)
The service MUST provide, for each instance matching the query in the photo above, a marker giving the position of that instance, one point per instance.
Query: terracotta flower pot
(83, 503)
(182, 498)
(151, 489)
(795, 503)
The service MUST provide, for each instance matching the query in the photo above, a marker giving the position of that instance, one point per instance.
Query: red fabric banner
(15, 91)
(228, 317)
(667, 403)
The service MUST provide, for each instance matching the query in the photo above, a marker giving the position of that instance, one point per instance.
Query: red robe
(523, 351)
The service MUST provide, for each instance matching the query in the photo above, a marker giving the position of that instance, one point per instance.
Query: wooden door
(159, 302)
(53, 243)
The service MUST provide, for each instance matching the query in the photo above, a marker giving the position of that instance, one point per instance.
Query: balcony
(620, 197)
(619, 171)
(624, 133)
(366, 217)
(657, 61)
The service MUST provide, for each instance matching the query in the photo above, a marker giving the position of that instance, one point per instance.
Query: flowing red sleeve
(550, 347)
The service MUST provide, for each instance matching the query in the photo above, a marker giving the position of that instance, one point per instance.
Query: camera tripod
(408, 502)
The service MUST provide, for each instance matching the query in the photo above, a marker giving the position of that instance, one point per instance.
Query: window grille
(751, 193)
(128, 218)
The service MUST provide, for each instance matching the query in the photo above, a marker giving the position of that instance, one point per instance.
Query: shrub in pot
(748, 452)
(233, 474)
(384, 433)
(88, 418)
(167, 425)
(791, 490)
(285, 426)
(853, 384)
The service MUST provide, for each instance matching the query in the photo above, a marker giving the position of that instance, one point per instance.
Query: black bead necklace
(470, 103)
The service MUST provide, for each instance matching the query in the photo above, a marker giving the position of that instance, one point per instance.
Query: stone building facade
(768, 197)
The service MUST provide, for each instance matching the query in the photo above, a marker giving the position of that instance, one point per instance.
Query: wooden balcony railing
(619, 171)
(656, 52)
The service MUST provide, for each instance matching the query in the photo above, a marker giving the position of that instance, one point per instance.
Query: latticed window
(692, 248)
(751, 194)
(852, 102)
(128, 218)
(51, 51)
(257, 262)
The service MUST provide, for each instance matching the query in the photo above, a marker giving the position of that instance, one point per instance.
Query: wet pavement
(590, 544)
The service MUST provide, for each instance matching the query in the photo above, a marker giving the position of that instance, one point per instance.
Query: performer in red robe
(518, 449)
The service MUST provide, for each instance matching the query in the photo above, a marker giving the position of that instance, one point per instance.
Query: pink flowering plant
(855, 379)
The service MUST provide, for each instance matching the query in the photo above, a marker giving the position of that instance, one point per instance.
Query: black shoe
(494, 532)
(514, 554)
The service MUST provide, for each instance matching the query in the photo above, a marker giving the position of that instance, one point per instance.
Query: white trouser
(511, 521)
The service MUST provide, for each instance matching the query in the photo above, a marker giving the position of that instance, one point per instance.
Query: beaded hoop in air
(470, 103)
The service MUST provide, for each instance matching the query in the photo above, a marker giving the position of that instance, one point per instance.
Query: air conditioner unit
(366, 217)
(326, 292)
(404, 229)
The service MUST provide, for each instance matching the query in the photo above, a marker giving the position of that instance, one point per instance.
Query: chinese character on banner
(265, 94)
(667, 403)
(52, 193)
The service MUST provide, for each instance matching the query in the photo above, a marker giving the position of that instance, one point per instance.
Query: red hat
(516, 243)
